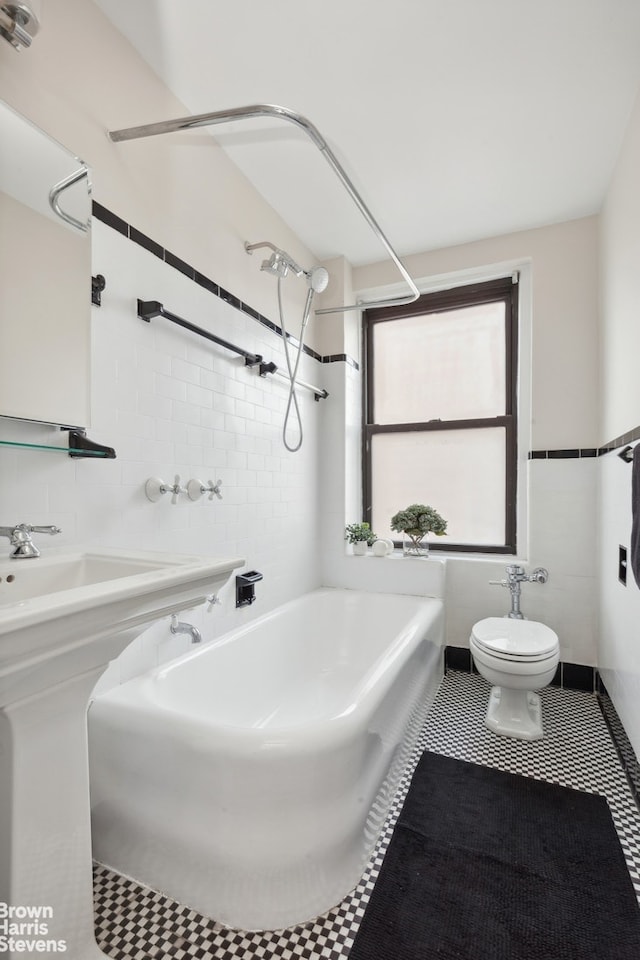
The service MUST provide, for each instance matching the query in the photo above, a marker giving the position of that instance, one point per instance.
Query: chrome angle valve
(516, 576)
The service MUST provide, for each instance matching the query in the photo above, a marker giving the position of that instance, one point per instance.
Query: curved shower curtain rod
(283, 113)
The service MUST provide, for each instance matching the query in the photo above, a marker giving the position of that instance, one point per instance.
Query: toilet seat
(523, 641)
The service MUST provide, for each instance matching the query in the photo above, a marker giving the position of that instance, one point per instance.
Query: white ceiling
(456, 119)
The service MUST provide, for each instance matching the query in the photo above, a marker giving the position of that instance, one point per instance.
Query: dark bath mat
(486, 865)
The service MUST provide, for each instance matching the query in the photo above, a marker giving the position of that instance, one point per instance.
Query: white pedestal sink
(63, 617)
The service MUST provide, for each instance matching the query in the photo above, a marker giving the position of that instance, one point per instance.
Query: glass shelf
(79, 446)
(44, 446)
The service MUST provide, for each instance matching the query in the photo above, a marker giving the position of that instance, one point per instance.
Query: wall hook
(98, 283)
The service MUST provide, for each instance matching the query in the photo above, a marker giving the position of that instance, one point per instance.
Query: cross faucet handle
(176, 489)
(196, 488)
(214, 489)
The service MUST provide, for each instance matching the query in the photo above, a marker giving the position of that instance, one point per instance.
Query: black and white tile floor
(135, 923)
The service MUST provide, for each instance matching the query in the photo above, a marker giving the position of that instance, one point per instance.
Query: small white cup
(382, 547)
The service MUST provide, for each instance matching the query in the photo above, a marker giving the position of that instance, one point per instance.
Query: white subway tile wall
(620, 605)
(172, 403)
(562, 538)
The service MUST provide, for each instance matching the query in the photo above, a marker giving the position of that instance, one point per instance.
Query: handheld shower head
(279, 264)
(317, 278)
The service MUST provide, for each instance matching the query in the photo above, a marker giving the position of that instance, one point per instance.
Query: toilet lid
(505, 637)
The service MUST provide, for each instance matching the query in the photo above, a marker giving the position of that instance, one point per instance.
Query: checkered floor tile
(134, 923)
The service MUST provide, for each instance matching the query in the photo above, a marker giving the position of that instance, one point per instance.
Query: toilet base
(514, 713)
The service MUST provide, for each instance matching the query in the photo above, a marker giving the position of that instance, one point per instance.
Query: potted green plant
(415, 522)
(360, 535)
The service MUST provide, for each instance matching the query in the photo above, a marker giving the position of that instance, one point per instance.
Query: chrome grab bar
(283, 113)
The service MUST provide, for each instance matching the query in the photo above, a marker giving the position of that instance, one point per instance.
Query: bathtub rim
(137, 696)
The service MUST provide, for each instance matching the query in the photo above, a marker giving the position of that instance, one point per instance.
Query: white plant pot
(360, 548)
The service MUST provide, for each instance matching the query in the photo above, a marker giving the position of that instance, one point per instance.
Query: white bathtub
(249, 779)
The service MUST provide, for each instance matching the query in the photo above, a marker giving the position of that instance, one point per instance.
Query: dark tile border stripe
(581, 453)
(457, 658)
(622, 440)
(110, 219)
(621, 741)
(146, 242)
(180, 265)
(336, 357)
(574, 453)
(569, 676)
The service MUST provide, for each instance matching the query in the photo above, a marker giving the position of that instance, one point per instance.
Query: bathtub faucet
(177, 626)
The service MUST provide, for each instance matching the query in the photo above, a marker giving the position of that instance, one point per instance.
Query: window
(440, 413)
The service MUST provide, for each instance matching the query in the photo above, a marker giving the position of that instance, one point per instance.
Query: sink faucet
(515, 578)
(20, 537)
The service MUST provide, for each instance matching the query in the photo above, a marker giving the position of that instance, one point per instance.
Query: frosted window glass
(461, 473)
(448, 366)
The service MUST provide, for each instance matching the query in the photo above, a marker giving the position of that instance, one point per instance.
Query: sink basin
(28, 579)
(53, 607)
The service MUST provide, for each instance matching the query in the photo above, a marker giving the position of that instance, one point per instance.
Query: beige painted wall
(620, 265)
(81, 78)
(44, 306)
(564, 362)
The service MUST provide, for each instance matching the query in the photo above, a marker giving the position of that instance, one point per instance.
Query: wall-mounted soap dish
(245, 587)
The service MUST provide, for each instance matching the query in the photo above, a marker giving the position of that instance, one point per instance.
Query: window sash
(504, 290)
(435, 356)
(505, 422)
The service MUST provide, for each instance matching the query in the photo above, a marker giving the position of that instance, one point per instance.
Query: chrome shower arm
(291, 263)
(283, 113)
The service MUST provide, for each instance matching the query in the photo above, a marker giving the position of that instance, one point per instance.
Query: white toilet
(517, 657)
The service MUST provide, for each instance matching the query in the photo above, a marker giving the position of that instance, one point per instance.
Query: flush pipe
(516, 576)
(283, 113)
